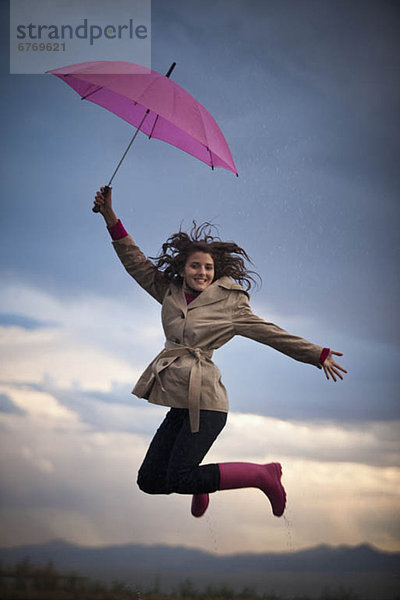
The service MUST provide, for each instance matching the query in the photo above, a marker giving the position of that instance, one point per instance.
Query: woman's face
(198, 272)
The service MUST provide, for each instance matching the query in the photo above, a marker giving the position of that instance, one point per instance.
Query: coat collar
(215, 292)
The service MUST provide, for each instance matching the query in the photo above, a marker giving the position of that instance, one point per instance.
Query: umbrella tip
(172, 67)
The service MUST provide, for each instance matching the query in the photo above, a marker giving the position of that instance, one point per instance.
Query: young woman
(199, 281)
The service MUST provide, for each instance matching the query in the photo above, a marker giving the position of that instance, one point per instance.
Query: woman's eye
(198, 266)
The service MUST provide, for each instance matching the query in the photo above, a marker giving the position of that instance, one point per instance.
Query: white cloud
(374, 444)
(40, 404)
(93, 342)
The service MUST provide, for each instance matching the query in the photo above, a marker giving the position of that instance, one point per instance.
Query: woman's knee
(195, 480)
(150, 485)
(146, 484)
(173, 482)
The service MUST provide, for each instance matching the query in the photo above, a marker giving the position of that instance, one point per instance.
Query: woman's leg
(152, 477)
(184, 475)
(175, 453)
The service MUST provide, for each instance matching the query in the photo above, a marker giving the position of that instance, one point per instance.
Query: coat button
(164, 363)
(176, 341)
(182, 315)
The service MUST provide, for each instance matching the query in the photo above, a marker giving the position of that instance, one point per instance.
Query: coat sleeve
(141, 268)
(249, 325)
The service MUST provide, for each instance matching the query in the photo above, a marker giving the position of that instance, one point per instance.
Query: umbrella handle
(96, 208)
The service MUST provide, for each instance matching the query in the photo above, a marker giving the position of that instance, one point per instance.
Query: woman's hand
(104, 202)
(331, 367)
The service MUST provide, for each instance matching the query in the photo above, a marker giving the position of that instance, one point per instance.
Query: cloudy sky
(307, 95)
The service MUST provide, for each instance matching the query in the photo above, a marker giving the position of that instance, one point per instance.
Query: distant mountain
(364, 569)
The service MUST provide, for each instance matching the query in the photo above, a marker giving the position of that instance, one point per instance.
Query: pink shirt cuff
(117, 231)
(324, 354)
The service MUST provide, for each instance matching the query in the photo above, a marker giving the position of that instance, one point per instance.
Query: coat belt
(199, 354)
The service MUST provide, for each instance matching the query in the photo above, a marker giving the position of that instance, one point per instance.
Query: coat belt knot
(174, 351)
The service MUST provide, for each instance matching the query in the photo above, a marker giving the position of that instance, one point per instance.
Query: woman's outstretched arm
(135, 262)
(249, 325)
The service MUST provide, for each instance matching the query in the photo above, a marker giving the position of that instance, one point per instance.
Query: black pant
(172, 460)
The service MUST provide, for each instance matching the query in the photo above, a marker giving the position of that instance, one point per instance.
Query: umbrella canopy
(157, 105)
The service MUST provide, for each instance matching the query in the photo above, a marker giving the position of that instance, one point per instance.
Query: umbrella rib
(91, 93)
(211, 160)
(154, 124)
(206, 137)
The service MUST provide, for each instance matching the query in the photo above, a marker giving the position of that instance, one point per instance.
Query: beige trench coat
(183, 375)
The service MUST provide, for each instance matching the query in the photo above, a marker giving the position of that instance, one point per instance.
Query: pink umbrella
(154, 104)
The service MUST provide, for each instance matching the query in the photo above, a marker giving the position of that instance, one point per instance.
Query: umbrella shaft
(129, 145)
(137, 131)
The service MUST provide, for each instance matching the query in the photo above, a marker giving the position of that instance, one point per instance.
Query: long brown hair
(229, 258)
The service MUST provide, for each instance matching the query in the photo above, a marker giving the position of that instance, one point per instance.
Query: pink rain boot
(265, 477)
(200, 504)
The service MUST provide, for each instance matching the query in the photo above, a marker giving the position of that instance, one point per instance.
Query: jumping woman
(202, 284)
